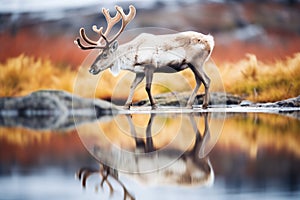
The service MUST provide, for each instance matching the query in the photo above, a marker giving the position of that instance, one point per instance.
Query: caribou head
(106, 45)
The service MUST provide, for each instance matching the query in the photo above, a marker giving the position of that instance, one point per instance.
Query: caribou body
(148, 54)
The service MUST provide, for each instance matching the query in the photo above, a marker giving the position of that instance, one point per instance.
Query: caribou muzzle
(93, 71)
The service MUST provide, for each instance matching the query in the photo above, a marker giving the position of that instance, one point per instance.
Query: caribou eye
(114, 46)
(104, 55)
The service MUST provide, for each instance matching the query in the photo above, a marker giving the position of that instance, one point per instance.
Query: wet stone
(246, 103)
(291, 103)
(52, 102)
(51, 109)
(180, 99)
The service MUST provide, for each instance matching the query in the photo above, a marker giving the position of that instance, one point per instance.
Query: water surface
(158, 156)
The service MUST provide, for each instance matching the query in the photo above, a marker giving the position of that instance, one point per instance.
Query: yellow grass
(24, 74)
(250, 78)
(262, 82)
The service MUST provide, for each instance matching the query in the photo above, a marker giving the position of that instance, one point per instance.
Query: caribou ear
(114, 46)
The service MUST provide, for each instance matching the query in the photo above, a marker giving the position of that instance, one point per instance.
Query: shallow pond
(155, 156)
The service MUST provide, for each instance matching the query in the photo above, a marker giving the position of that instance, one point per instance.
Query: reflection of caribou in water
(189, 168)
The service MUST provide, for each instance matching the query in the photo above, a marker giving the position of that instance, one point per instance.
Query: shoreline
(59, 110)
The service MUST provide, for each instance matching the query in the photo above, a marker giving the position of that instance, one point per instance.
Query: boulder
(180, 99)
(291, 103)
(52, 109)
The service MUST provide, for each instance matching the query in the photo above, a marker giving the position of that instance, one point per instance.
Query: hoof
(154, 107)
(126, 106)
(189, 106)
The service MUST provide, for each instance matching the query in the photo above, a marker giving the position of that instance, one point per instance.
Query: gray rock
(53, 102)
(180, 99)
(291, 103)
(246, 103)
(52, 109)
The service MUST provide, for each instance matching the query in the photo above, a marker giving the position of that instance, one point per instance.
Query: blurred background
(268, 29)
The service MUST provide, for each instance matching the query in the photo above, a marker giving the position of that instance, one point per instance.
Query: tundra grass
(250, 78)
(263, 82)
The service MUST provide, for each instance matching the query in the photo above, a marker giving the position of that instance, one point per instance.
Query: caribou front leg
(138, 79)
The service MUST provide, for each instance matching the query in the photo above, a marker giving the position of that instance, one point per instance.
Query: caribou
(148, 54)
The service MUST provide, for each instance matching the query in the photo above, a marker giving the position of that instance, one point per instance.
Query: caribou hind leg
(200, 77)
(198, 84)
(149, 78)
(206, 85)
(206, 81)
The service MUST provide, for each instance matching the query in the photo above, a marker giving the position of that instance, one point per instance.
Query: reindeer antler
(84, 173)
(111, 21)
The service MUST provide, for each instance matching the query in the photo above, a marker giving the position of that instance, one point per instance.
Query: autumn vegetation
(263, 81)
(24, 74)
(249, 77)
